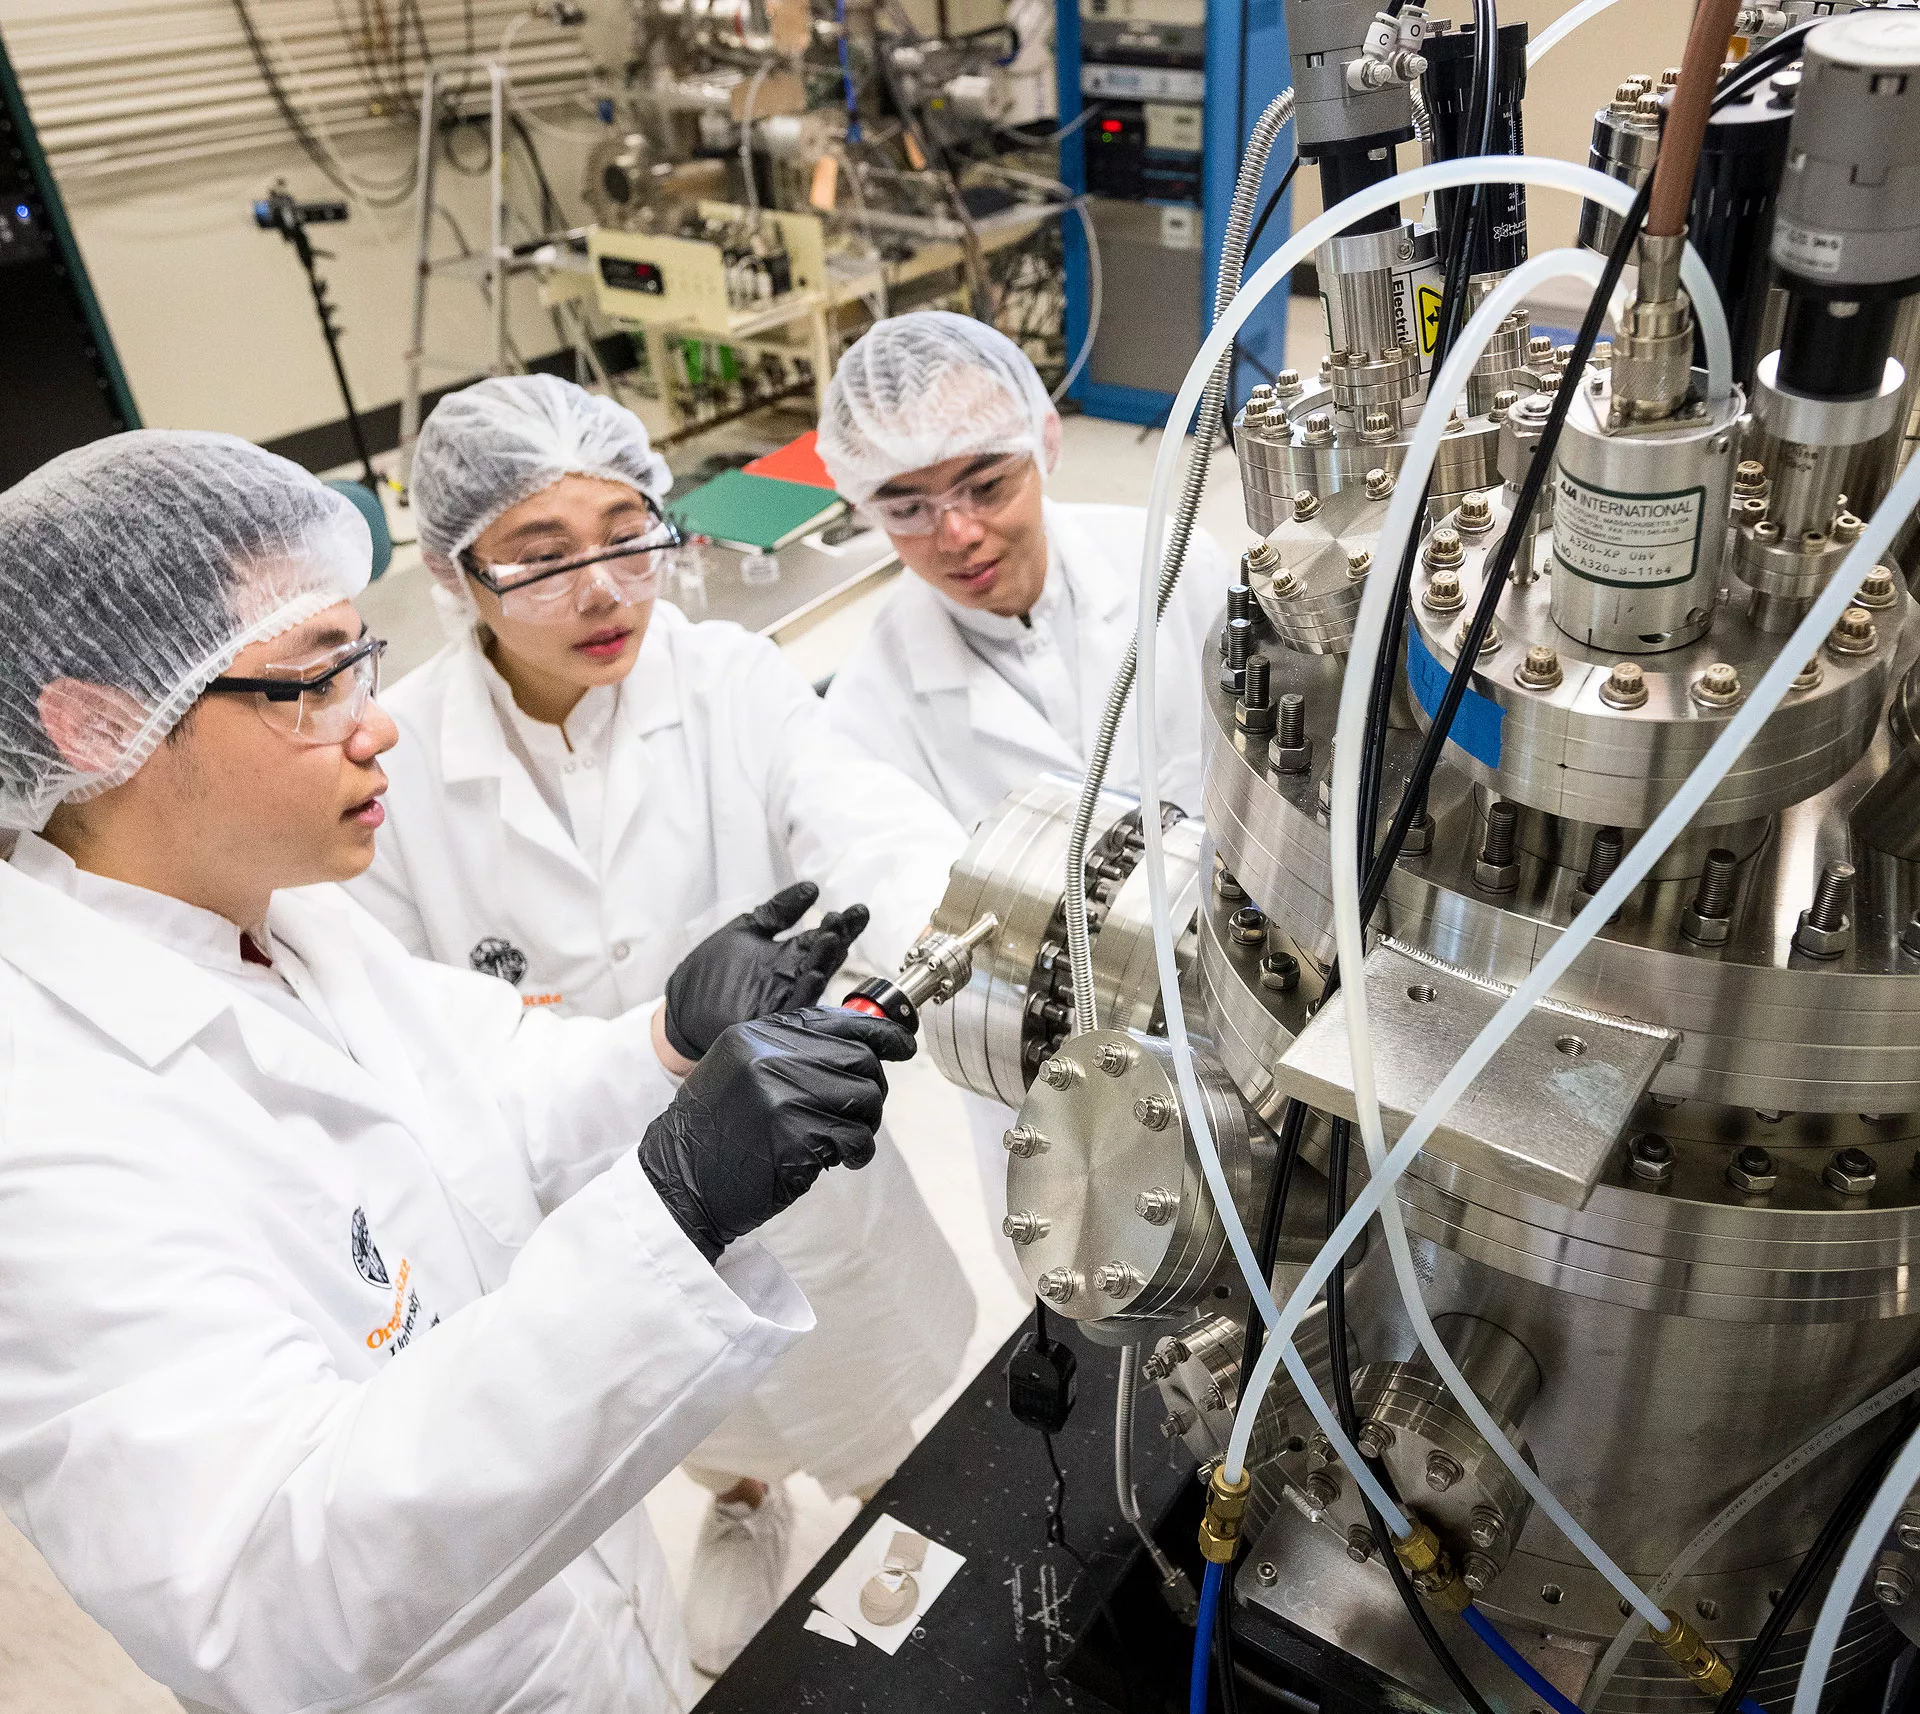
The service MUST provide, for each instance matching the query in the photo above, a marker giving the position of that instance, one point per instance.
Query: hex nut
(1855, 634)
(1060, 1073)
(1023, 1226)
(1114, 1059)
(1478, 1570)
(1157, 1206)
(1443, 593)
(1626, 686)
(1249, 926)
(1705, 931)
(1359, 1544)
(1907, 1528)
(1822, 943)
(1060, 1285)
(1891, 1584)
(1227, 886)
(1443, 1470)
(1290, 758)
(1752, 1172)
(1495, 877)
(1116, 1279)
(1852, 1172)
(1650, 1158)
(1153, 1111)
(1280, 972)
(1485, 1527)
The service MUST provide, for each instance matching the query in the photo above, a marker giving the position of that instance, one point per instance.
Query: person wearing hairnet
(350, 1308)
(992, 662)
(588, 784)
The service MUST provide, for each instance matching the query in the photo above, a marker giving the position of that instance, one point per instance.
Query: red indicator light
(1109, 124)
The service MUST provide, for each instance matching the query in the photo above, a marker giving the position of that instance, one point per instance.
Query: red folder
(795, 462)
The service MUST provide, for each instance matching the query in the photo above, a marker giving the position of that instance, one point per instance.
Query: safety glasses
(316, 702)
(981, 497)
(551, 587)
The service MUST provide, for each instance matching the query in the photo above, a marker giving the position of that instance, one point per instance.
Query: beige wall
(1562, 91)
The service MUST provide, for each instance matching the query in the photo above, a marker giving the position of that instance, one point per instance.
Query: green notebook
(743, 511)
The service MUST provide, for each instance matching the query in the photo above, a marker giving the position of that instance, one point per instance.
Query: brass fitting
(1226, 1506)
(1693, 1655)
(1431, 1570)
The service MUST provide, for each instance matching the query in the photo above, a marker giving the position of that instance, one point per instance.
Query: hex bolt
(1322, 1489)
(1154, 1367)
(1175, 1424)
(1227, 885)
(1379, 483)
(1717, 687)
(1891, 1584)
(1359, 1544)
(1024, 1141)
(1280, 972)
(1603, 857)
(1475, 514)
(1239, 602)
(1749, 477)
(1852, 1172)
(1318, 429)
(1626, 686)
(1478, 1569)
(1059, 1285)
(1285, 586)
(1443, 1470)
(1540, 670)
(1503, 402)
(1498, 868)
(1374, 1439)
(1291, 751)
(1157, 1206)
(1153, 1111)
(1024, 1226)
(1826, 928)
(1378, 426)
(1709, 919)
(1306, 504)
(1752, 1171)
(1910, 936)
(1113, 1058)
(1650, 1158)
(1266, 1573)
(1286, 383)
(1213, 1398)
(1876, 588)
(1249, 926)
(1254, 712)
(1443, 593)
(1061, 1073)
(1847, 528)
(1443, 548)
(1359, 563)
(1907, 1527)
(1116, 1279)
(1485, 1527)
(1237, 641)
(1856, 634)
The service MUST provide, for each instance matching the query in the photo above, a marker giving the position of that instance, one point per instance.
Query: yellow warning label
(1428, 301)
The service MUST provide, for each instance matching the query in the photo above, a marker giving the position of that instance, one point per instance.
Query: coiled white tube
(1443, 175)
(1561, 27)
(1777, 1476)
(1879, 1516)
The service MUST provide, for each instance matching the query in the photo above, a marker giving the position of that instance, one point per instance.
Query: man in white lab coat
(349, 1308)
(588, 784)
(992, 661)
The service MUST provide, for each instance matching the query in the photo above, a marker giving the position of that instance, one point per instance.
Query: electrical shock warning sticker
(1627, 541)
(1429, 301)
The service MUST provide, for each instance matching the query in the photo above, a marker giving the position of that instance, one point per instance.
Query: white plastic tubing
(1529, 170)
(1562, 26)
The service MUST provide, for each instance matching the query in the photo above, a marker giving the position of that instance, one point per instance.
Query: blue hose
(1522, 1668)
(1203, 1636)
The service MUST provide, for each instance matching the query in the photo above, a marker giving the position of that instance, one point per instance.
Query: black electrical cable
(1056, 1536)
(1817, 1562)
(1341, 1374)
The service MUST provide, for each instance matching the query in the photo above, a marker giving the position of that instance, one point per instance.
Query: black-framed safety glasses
(317, 707)
(549, 588)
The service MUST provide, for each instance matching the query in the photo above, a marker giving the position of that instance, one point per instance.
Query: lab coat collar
(1100, 592)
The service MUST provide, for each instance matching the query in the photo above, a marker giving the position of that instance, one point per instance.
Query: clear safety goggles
(320, 701)
(553, 586)
(981, 497)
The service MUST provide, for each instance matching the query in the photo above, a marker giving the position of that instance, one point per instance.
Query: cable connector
(1431, 1570)
(1693, 1655)
(1226, 1506)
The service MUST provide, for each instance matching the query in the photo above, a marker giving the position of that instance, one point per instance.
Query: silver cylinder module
(1639, 524)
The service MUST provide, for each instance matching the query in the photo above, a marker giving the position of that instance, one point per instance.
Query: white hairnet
(144, 563)
(490, 446)
(918, 389)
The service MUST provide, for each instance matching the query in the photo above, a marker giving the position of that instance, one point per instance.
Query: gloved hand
(741, 971)
(772, 1105)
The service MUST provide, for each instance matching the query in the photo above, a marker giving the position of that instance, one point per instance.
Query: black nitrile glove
(741, 971)
(771, 1106)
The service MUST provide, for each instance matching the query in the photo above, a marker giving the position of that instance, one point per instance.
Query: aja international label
(1628, 541)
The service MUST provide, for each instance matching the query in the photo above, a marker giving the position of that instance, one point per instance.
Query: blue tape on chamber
(1476, 727)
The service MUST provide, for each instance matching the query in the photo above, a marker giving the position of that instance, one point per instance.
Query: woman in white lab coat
(587, 785)
(991, 662)
(342, 1326)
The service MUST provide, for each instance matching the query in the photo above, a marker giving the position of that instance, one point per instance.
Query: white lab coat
(726, 781)
(333, 1376)
(916, 694)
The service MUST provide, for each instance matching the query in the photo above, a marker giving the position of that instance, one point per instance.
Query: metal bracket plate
(1544, 1117)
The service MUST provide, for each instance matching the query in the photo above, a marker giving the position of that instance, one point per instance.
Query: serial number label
(1629, 541)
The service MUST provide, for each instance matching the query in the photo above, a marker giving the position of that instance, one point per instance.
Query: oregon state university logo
(366, 1254)
(496, 957)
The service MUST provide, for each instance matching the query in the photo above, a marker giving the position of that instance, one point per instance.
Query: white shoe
(738, 1564)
